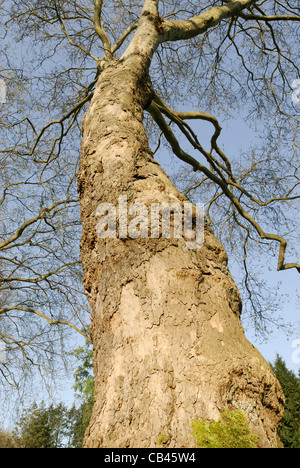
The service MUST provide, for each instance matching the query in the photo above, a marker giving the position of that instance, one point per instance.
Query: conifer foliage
(290, 382)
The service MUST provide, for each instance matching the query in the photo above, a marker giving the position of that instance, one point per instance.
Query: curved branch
(187, 29)
(218, 167)
(7, 243)
(60, 121)
(178, 117)
(156, 114)
(40, 314)
(123, 37)
(191, 116)
(270, 17)
(100, 30)
(79, 46)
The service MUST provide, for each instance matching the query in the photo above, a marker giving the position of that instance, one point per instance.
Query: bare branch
(150, 6)
(187, 29)
(270, 17)
(7, 243)
(79, 46)
(100, 30)
(44, 316)
(123, 37)
(224, 184)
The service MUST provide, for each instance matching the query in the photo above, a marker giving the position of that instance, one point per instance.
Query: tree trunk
(168, 343)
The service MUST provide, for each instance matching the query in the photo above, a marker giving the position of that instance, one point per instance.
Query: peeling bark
(168, 343)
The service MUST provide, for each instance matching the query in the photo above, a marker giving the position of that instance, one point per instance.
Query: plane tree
(165, 319)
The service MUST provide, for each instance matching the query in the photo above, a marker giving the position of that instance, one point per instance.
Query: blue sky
(286, 345)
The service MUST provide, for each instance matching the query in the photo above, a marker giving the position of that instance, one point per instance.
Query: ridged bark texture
(168, 343)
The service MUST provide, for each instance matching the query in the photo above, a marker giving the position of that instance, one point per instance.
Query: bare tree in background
(42, 302)
(165, 320)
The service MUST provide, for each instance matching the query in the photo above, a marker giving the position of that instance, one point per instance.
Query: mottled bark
(168, 342)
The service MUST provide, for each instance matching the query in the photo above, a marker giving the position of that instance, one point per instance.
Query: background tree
(55, 425)
(42, 427)
(84, 391)
(188, 49)
(6, 439)
(41, 292)
(290, 428)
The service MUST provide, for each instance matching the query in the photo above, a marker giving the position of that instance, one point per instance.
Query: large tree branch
(40, 314)
(186, 29)
(8, 243)
(123, 37)
(100, 30)
(150, 6)
(270, 17)
(219, 180)
(179, 117)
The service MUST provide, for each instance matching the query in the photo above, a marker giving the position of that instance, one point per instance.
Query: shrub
(230, 431)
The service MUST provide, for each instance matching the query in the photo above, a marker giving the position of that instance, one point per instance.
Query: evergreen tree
(84, 390)
(51, 427)
(56, 426)
(78, 421)
(290, 428)
(42, 427)
(6, 439)
(83, 376)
